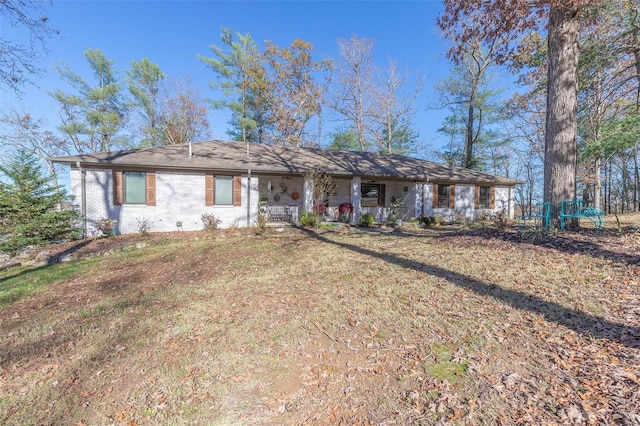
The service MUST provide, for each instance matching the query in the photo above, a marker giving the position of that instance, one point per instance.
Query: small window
(484, 198)
(223, 190)
(370, 195)
(444, 192)
(135, 187)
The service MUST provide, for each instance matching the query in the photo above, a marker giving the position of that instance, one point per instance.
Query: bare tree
(26, 133)
(354, 93)
(183, 118)
(19, 60)
(395, 106)
(466, 91)
(293, 97)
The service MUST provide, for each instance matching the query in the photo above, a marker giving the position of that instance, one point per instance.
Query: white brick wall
(465, 202)
(179, 198)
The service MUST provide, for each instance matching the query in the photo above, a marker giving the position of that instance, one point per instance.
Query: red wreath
(295, 195)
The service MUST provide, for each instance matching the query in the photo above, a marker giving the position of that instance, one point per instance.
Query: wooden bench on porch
(281, 214)
(575, 209)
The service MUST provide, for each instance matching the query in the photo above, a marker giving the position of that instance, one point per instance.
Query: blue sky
(173, 33)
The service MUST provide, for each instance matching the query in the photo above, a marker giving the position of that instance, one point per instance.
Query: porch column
(307, 197)
(420, 199)
(252, 197)
(356, 195)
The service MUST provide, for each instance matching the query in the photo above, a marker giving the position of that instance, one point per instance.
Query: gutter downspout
(248, 198)
(83, 184)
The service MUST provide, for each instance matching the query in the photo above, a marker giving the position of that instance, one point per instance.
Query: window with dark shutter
(151, 189)
(237, 191)
(117, 188)
(208, 190)
(452, 196)
(484, 197)
(434, 196)
(134, 187)
(443, 196)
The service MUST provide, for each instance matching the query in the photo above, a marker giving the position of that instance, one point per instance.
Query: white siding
(465, 200)
(179, 198)
(503, 201)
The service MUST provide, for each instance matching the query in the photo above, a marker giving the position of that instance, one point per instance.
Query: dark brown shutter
(434, 196)
(477, 202)
(383, 195)
(208, 190)
(492, 200)
(452, 196)
(237, 191)
(117, 187)
(151, 188)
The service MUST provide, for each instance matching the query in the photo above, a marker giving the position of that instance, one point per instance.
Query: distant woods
(520, 99)
(280, 95)
(571, 126)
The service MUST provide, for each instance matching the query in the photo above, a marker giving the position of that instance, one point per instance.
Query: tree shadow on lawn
(581, 322)
(568, 242)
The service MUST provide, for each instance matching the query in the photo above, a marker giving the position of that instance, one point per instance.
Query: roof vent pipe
(190, 152)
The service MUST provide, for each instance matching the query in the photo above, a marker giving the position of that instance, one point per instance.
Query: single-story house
(170, 188)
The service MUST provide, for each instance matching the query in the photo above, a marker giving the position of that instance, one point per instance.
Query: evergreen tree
(144, 80)
(242, 81)
(94, 117)
(30, 206)
(345, 139)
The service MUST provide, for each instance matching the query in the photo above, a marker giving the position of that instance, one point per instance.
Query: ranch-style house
(170, 188)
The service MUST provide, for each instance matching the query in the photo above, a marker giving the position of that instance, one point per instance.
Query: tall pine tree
(30, 206)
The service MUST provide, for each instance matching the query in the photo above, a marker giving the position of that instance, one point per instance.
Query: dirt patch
(331, 327)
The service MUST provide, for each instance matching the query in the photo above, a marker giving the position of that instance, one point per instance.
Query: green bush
(310, 219)
(30, 207)
(427, 220)
(438, 220)
(366, 220)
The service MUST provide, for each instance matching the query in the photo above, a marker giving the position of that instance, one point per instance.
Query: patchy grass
(329, 327)
(20, 282)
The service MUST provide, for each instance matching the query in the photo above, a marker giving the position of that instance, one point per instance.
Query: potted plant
(320, 207)
(106, 226)
(427, 220)
(345, 210)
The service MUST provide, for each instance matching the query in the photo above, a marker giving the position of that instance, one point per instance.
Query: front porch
(283, 199)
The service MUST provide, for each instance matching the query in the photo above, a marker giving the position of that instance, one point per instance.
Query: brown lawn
(443, 326)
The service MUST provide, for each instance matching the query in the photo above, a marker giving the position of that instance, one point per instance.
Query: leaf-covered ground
(443, 326)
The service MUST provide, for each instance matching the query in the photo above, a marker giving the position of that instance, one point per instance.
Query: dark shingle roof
(232, 156)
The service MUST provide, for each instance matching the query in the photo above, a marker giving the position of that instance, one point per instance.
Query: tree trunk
(561, 119)
(635, 25)
(597, 187)
(609, 181)
(468, 146)
(636, 179)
